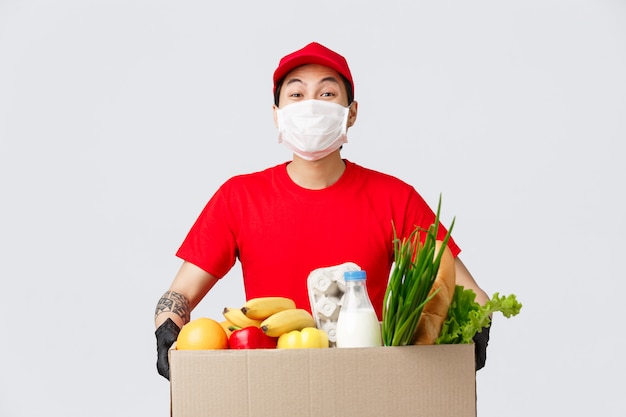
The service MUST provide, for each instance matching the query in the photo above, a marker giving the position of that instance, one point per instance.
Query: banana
(262, 307)
(286, 321)
(227, 326)
(237, 318)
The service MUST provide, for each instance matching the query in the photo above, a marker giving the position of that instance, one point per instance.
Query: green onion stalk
(410, 282)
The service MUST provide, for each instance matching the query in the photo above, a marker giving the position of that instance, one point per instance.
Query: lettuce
(466, 317)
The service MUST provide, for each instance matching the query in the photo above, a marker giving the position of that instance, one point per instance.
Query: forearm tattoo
(173, 302)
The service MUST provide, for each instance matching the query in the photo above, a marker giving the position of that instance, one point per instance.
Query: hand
(166, 335)
(481, 340)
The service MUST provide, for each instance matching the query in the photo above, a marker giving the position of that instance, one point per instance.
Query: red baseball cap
(313, 53)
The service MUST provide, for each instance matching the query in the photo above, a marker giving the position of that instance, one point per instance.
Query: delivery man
(316, 210)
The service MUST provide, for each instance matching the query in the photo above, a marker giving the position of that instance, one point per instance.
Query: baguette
(435, 311)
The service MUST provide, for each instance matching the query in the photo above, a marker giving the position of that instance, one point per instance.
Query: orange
(202, 334)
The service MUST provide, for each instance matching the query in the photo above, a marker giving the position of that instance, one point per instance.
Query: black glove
(166, 335)
(481, 340)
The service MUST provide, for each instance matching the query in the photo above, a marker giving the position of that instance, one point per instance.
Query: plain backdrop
(119, 119)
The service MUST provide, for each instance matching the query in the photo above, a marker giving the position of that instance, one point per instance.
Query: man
(317, 210)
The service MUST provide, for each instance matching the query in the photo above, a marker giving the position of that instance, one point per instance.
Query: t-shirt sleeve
(210, 244)
(420, 214)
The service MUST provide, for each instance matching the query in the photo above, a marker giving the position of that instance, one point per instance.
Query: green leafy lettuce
(466, 317)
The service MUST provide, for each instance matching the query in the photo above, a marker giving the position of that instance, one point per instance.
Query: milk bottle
(357, 324)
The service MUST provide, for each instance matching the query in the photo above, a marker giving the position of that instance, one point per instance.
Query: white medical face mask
(313, 129)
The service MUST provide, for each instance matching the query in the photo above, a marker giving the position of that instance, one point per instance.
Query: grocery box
(433, 381)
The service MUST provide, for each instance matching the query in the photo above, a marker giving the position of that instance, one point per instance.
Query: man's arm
(481, 340)
(190, 285)
(465, 278)
(173, 310)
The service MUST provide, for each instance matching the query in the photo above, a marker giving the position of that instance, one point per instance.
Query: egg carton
(326, 287)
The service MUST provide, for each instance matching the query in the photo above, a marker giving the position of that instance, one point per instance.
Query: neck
(316, 175)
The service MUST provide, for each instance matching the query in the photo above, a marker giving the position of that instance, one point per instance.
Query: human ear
(274, 109)
(354, 107)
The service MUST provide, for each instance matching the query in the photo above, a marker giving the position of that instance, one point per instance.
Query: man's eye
(328, 94)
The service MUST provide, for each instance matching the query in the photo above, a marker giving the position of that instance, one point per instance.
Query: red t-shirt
(280, 232)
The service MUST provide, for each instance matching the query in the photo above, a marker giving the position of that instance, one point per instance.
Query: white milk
(358, 328)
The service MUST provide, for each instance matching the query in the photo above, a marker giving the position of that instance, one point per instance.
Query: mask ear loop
(279, 122)
(345, 123)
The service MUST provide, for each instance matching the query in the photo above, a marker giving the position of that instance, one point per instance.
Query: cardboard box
(403, 381)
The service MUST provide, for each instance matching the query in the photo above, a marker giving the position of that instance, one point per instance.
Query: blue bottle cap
(354, 275)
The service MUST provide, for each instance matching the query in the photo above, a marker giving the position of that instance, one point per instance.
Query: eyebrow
(323, 80)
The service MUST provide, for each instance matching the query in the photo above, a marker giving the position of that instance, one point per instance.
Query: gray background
(119, 119)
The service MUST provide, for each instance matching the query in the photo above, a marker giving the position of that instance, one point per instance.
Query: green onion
(410, 282)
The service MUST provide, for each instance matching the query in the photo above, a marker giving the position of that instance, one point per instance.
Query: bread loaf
(435, 311)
